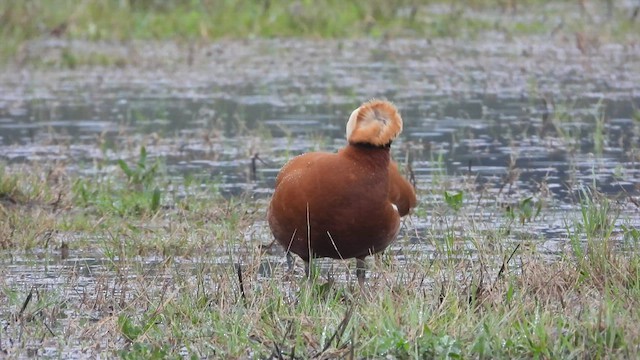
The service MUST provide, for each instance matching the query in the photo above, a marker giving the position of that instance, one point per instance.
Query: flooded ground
(502, 120)
(543, 108)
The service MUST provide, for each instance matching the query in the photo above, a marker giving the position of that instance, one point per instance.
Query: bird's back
(341, 200)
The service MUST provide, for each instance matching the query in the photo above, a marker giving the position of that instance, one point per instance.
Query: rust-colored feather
(345, 204)
(376, 122)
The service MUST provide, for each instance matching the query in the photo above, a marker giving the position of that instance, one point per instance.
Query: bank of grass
(206, 20)
(192, 276)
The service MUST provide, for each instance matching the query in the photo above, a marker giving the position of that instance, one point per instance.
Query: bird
(346, 204)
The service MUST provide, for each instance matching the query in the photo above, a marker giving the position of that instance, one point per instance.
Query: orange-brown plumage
(346, 204)
(401, 192)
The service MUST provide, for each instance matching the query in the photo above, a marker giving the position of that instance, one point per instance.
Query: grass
(192, 277)
(198, 21)
(122, 263)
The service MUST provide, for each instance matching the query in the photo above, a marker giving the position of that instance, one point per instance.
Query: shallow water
(520, 117)
(590, 135)
(500, 120)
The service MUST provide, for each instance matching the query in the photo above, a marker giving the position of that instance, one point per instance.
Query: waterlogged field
(133, 199)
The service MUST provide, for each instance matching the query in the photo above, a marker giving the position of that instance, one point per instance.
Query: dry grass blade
(48, 329)
(504, 266)
(278, 353)
(241, 283)
(339, 331)
(26, 302)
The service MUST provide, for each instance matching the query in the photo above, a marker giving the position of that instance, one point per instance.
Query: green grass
(153, 274)
(507, 301)
(197, 21)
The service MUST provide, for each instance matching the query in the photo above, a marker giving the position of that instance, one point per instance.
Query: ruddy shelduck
(346, 204)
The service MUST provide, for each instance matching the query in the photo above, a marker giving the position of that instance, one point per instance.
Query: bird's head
(376, 122)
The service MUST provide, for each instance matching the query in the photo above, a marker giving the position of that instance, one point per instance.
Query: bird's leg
(378, 257)
(290, 261)
(361, 267)
(307, 269)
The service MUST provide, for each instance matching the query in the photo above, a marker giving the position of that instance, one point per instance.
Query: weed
(527, 210)
(141, 195)
(169, 287)
(454, 201)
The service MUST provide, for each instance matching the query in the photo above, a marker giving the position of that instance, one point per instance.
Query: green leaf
(125, 168)
(510, 292)
(538, 209)
(142, 161)
(453, 200)
(155, 200)
(128, 329)
(510, 213)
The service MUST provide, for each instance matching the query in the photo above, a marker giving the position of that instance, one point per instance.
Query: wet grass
(191, 274)
(138, 264)
(194, 22)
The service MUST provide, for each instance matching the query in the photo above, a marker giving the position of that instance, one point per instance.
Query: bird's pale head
(376, 122)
